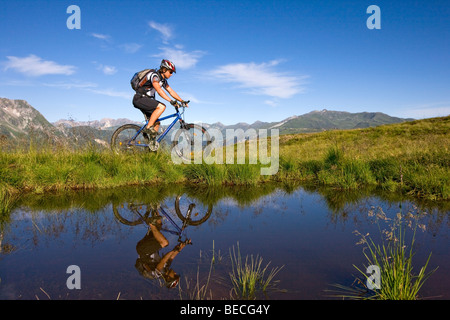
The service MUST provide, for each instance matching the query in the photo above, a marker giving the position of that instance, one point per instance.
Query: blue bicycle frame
(177, 117)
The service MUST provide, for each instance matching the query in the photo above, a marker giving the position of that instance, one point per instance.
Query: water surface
(309, 232)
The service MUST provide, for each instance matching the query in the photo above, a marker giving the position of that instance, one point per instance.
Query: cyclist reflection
(149, 262)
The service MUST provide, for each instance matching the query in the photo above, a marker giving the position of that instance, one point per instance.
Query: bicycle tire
(122, 136)
(135, 220)
(196, 218)
(185, 150)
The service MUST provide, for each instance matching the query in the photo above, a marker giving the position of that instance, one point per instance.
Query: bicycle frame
(179, 230)
(177, 117)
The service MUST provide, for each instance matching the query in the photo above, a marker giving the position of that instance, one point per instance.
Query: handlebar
(178, 104)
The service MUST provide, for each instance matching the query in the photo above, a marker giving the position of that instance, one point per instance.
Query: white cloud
(427, 110)
(71, 85)
(271, 103)
(34, 66)
(111, 93)
(101, 36)
(90, 87)
(165, 30)
(108, 70)
(180, 58)
(130, 47)
(262, 78)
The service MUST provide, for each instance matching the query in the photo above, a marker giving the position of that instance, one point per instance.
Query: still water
(306, 234)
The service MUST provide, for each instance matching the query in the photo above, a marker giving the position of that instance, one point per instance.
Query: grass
(249, 278)
(411, 158)
(394, 257)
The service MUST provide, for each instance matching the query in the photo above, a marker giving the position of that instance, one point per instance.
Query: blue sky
(237, 61)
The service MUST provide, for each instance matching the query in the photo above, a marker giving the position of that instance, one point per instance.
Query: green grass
(394, 256)
(249, 277)
(411, 158)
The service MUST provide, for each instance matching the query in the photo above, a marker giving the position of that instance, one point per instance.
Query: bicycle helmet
(168, 65)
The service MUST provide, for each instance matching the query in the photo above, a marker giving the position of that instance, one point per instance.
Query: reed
(250, 276)
(394, 257)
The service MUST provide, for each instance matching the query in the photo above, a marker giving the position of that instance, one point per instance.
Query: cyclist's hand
(185, 103)
(174, 103)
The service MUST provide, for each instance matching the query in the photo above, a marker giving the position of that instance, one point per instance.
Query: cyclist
(149, 263)
(144, 99)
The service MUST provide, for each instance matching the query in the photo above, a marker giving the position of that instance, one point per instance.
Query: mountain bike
(134, 214)
(131, 138)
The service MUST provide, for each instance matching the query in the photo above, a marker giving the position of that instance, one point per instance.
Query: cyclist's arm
(174, 94)
(161, 91)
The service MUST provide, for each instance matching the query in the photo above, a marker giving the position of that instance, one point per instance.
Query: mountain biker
(149, 263)
(144, 99)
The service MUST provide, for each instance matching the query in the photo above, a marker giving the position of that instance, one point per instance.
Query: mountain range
(20, 121)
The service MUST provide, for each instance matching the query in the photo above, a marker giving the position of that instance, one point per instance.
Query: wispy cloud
(111, 93)
(101, 36)
(271, 103)
(71, 85)
(262, 78)
(165, 30)
(35, 66)
(179, 57)
(90, 87)
(130, 47)
(108, 70)
(426, 110)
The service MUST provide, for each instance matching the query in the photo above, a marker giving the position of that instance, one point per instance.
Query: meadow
(411, 158)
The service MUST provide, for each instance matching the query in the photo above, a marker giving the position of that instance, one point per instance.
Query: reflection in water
(111, 233)
(149, 263)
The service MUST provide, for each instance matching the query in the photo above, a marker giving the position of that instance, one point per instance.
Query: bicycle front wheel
(190, 142)
(199, 212)
(126, 140)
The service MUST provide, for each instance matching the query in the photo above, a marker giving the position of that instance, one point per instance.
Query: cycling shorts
(145, 103)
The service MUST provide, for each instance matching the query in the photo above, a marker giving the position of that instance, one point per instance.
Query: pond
(305, 234)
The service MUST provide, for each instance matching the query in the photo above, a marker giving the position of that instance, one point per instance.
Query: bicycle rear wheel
(190, 142)
(122, 140)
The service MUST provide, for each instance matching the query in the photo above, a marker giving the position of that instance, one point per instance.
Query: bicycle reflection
(150, 263)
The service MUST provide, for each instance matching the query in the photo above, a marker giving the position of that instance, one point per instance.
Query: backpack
(138, 77)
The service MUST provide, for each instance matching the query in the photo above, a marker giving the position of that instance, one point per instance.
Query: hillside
(411, 157)
(317, 121)
(407, 158)
(19, 121)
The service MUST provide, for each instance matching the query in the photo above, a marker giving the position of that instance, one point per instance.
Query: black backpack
(137, 78)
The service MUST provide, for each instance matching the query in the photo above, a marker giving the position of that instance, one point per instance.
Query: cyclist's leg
(148, 106)
(156, 114)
